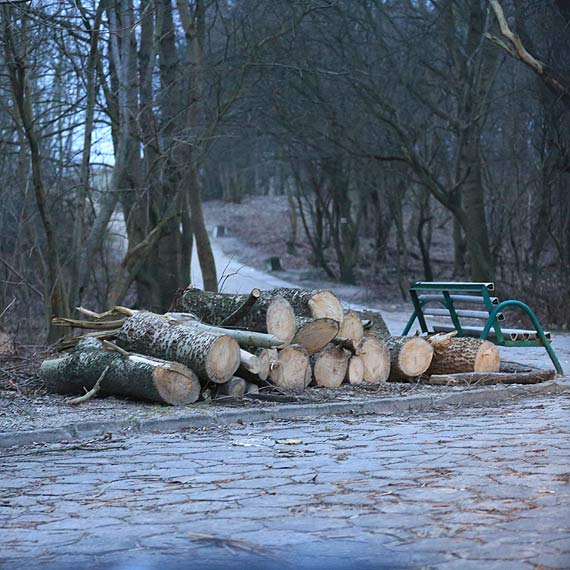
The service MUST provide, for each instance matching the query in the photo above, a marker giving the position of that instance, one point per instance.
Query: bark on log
(351, 326)
(134, 376)
(212, 356)
(251, 388)
(349, 344)
(466, 355)
(355, 370)
(6, 342)
(330, 366)
(410, 356)
(254, 367)
(316, 303)
(488, 378)
(291, 369)
(243, 338)
(376, 359)
(373, 323)
(270, 313)
(234, 388)
(314, 334)
(242, 311)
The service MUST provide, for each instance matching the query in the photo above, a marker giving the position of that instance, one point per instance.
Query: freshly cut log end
(355, 370)
(134, 376)
(290, 370)
(314, 334)
(234, 388)
(212, 356)
(376, 360)
(410, 357)
(316, 303)
(466, 355)
(330, 366)
(280, 320)
(351, 326)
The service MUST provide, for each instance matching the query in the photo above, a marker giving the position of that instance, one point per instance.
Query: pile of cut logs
(220, 345)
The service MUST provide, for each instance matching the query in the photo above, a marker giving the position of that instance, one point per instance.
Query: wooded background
(382, 122)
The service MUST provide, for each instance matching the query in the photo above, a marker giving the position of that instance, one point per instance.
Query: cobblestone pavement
(461, 488)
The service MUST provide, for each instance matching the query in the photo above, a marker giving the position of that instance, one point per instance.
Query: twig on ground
(92, 393)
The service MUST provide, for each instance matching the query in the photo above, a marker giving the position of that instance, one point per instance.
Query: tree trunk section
(330, 366)
(314, 334)
(135, 376)
(234, 388)
(466, 355)
(316, 303)
(270, 313)
(351, 326)
(355, 370)
(212, 356)
(376, 359)
(410, 356)
(291, 369)
(373, 324)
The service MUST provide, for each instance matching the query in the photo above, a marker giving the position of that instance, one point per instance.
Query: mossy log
(410, 356)
(134, 376)
(314, 334)
(330, 366)
(270, 313)
(212, 356)
(466, 354)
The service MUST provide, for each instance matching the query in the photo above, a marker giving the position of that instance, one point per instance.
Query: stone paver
(459, 488)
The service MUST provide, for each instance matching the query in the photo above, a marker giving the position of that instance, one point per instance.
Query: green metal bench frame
(483, 289)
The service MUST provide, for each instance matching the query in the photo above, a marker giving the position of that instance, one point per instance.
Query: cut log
(466, 354)
(254, 367)
(330, 366)
(316, 303)
(212, 356)
(251, 388)
(134, 376)
(488, 378)
(290, 370)
(355, 370)
(243, 338)
(234, 388)
(376, 360)
(373, 324)
(270, 313)
(410, 356)
(314, 334)
(242, 311)
(351, 326)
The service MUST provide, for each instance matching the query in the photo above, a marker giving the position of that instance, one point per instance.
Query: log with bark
(355, 370)
(376, 359)
(489, 378)
(314, 334)
(316, 303)
(330, 366)
(292, 368)
(235, 387)
(373, 324)
(410, 356)
(212, 356)
(133, 376)
(466, 354)
(254, 367)
(269, 314)
(351, 326)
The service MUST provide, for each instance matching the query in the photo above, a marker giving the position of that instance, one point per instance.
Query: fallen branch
(91, 393)
(242, 311)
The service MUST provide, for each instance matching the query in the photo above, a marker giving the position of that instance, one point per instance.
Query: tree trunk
(292, 369)
(212, 356)
(134, 376)
(466, 355)
(410, 356)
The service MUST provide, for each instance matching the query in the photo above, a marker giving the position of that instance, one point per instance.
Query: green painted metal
(492, 322)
